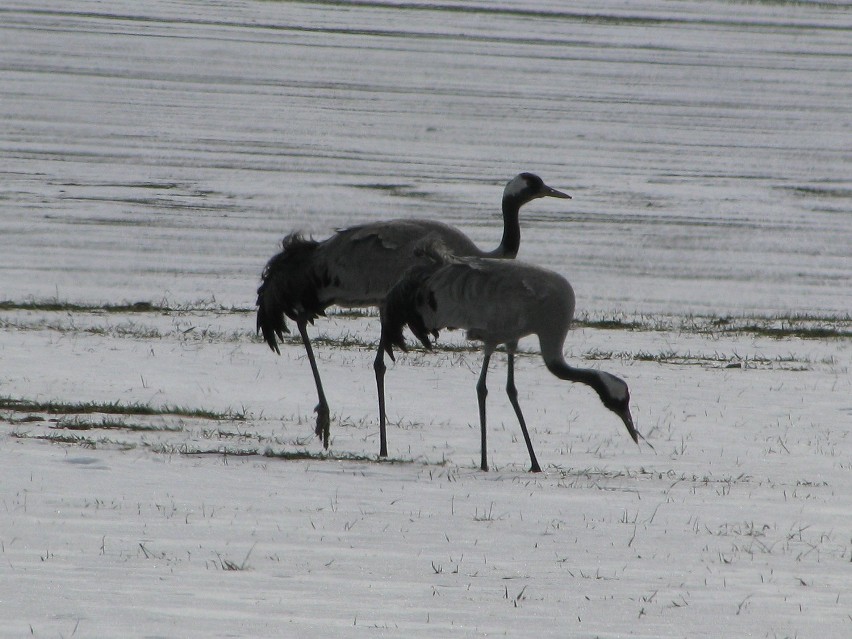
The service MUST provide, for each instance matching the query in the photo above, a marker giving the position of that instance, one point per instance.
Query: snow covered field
(158, 471)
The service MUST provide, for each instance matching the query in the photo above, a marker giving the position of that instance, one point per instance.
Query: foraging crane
(357, 267)
(498, 302)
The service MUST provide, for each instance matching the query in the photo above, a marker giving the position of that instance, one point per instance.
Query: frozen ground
(158, 472)
(236, 525)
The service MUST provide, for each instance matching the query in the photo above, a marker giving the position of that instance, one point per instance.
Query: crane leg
(380, 368)
(481, 394)
(512, 392)
(322, 429)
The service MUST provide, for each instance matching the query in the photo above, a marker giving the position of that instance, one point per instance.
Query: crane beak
(551, 192)
(627, 418)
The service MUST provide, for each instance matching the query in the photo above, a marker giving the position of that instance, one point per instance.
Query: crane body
(496, 302)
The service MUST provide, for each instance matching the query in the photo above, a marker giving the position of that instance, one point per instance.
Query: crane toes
(323, 423)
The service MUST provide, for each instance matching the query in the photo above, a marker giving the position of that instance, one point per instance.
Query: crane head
(528, 186)
(615, 396)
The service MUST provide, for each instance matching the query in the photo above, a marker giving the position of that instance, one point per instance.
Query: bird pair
(448, 282)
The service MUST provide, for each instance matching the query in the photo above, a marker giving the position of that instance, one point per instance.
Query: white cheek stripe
(615, 386)
(515, 187)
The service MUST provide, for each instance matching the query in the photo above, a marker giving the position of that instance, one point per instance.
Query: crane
(497, 302)
(356, 266)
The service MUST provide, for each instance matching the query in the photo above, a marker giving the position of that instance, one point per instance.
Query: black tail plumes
(288, 287)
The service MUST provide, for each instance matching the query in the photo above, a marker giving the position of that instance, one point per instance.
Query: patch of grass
(228, 564)
(299, 455)
(780, 327)
(822, 191)
(802, 332)
(612, 324)
(136, 330)
(27, 419)
(352, 312)
(787, 362)
(487, 515)
(189, 450)
(106, 423)
(77, 440)
(802, 326)
(54, 306)
(58, 306)
(112, 408)
(284, 455)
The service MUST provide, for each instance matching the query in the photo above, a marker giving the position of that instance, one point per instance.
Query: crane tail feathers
(402, 308)
(288, 288)
(271, 327)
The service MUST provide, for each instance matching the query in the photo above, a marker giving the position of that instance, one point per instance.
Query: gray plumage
(497, 302)
(357, 266)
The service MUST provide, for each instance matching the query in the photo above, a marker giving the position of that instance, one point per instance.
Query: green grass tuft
(57, 306)
(112, 408)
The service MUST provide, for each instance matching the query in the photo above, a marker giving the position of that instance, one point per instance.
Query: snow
(159, 151)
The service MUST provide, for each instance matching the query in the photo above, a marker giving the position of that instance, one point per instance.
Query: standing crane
(497, 302)
(357, 266)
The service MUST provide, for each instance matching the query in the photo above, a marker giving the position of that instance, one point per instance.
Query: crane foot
(323, 423)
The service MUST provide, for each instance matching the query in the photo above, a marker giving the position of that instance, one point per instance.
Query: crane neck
(587, 376)
(611, 390)
(511, 241)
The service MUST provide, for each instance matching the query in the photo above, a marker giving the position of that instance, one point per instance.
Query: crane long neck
(563, 370)
(511, 241)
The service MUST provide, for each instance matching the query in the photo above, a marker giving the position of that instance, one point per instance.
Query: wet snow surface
(157, 152)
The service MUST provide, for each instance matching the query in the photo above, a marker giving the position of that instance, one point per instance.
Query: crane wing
(361, 263)
(496, 301)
